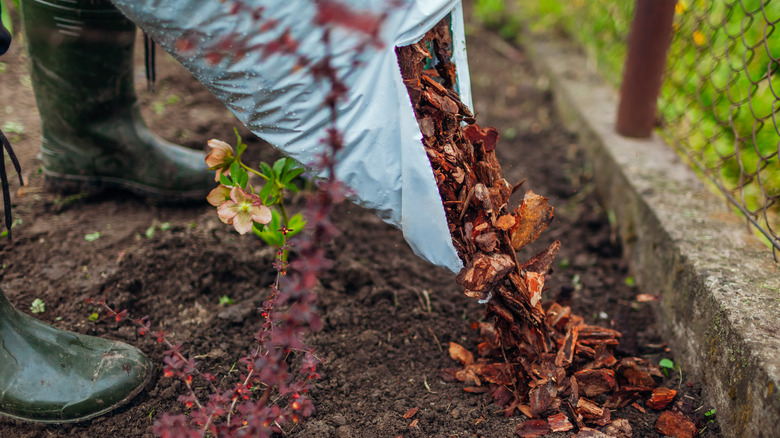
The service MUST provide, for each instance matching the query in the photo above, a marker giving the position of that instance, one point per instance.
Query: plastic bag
(384, 161)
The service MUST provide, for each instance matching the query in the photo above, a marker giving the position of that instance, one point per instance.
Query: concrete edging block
(719, 286)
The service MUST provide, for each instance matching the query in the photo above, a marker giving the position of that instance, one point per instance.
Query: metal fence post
(648, 44)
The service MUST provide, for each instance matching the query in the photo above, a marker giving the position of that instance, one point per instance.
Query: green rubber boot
(54, 376)
(81, 59)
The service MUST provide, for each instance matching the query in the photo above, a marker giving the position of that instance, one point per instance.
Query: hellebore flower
(219, 195)
(242, 209)
(220, 157)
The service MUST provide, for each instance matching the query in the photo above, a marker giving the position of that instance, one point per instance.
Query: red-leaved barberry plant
(270, 392)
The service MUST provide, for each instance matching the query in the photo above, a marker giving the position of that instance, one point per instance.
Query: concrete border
(719, 286)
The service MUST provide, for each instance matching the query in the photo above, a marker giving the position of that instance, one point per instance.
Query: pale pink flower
(242, 209)
(220, 157)
(219, 195)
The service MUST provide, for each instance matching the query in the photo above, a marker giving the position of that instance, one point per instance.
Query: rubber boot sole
(116, 405)
(93, 185)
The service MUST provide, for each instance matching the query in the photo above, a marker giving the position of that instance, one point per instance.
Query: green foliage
(91, 237)
(15, 222)
(37, 306)
(666, 364)
(718, 101)
(94, 316)
(225, 300)
(279, 179)
(495, 14)
(6, 17)
(274, 234)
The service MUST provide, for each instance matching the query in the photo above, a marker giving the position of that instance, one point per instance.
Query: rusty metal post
(648, 44)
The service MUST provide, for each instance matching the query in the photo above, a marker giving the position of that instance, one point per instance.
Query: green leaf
(292, 174)
(242, 178)
(666, 363)
(37, 306)
(292, 187)
(266, 170)
(240, 146)
(91, 237)
(224, 180)
(225, 300)
(6, 20)
(265, 193)
(165, 226)
(234, 171)
(289, 165)
(271, 234)
(94, 316)
(296, 224)
(279, 167)
(149, 232)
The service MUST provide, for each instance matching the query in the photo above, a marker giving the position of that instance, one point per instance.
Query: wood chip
(675, 425)
(588, 409)
(559, 422)
(644, 298)
(411, 413)
(484, 271)
(587, 432)
(595, 382)
(619, 428)
(532, 429)
(532, 217)
(661, 398)
(460, 354)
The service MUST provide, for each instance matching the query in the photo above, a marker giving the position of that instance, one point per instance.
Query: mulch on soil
(388, 315)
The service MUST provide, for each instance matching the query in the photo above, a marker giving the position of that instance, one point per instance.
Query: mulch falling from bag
(534, 356)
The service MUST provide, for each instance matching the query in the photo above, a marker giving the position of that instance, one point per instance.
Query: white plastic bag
(384, 161)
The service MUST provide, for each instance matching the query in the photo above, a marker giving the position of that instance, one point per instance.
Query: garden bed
(389, 316)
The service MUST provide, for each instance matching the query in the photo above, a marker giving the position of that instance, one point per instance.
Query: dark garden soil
(383, 344)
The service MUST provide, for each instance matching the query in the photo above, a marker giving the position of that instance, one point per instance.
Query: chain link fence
(720, 103)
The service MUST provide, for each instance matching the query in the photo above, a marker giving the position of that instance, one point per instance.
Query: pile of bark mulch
(537, 358)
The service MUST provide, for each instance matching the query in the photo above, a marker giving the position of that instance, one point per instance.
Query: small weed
(630, 281)
(94, 316)
(37, 306)
(667, 364)
(149, 232)
(710, 415)
(68, 200)
(225, 300)
(15, 222)
(91, 237)
(576, 282)
(11, 127)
